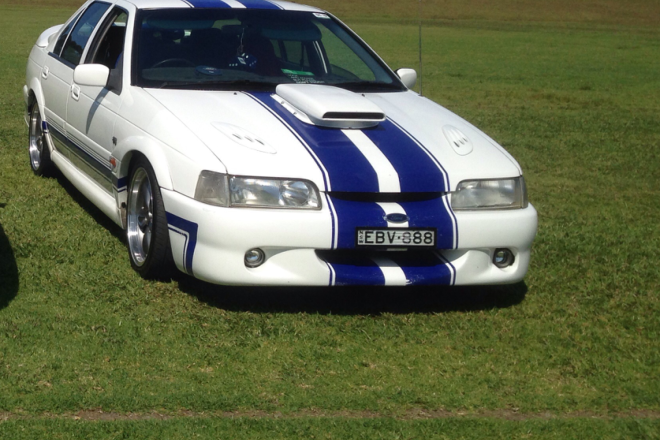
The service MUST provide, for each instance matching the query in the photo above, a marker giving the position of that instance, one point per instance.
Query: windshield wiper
(367, 85)
(228, 84)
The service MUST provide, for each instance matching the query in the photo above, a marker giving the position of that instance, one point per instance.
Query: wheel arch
(35, 94)
(132, 147)
(125, 154)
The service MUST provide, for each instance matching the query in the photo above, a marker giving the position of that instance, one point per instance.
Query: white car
(258, 142)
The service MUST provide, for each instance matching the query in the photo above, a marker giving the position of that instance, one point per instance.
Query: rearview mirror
(408, 77)
(91, 75)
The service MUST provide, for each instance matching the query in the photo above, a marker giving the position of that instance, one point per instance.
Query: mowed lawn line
(407, 415)
(273, 429)
(84, 332)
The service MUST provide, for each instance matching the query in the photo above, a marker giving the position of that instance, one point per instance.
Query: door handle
(44, 72)
(75, 92)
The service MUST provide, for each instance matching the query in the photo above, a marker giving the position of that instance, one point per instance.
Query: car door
(57, 78)
(91, 110)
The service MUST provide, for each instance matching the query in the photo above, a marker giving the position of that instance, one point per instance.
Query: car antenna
(419, 16)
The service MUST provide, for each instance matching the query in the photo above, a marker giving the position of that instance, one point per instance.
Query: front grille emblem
(396, 218)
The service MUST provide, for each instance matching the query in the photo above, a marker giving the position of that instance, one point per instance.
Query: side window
(64, 35)
(109, 41)
(108, 47)
(77, 41)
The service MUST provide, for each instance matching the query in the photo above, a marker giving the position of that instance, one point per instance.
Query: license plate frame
(386, 238)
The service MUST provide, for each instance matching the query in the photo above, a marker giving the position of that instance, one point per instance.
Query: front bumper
(210, 242)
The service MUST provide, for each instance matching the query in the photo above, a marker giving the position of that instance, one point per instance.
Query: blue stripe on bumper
(359, 268)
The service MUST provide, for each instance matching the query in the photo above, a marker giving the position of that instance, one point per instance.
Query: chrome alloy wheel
(36, 138)
(140, 216)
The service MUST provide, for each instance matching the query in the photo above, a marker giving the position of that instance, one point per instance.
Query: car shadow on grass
(8, 271)
(91, 209)
(355, 300)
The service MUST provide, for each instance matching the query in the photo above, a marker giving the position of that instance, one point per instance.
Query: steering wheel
(183, 61)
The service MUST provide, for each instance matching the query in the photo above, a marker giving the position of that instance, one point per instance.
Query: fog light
(254, 257)
(503, 258)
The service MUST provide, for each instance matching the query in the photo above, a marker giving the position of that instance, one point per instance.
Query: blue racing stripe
(432, 214)
(351, 215)
(433, 158)
(189, 228)
(423, 269)
(349, 171)
(207, 4)
(119, 183)
(258, 4)
(352, 270)
(347, 167)
(331, 208)
(418, 172)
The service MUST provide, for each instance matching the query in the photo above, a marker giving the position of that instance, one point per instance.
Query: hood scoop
(329, 106)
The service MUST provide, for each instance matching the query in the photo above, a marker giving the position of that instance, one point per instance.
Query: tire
(37, 145)
(147, 234)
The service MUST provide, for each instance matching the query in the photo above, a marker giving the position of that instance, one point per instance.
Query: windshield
(228, 49)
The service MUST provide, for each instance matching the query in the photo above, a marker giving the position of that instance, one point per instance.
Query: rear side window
(77, 41)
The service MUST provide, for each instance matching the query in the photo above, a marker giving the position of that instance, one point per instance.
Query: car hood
(418, 146)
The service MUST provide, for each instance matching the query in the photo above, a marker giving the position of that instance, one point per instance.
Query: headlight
(222, 190)
(490, 194)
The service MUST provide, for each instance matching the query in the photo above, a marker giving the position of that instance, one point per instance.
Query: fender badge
(396, 218)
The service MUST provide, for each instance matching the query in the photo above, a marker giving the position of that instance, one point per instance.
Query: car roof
(223, 4)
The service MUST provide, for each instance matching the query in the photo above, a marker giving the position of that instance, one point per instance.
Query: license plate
(391, 237)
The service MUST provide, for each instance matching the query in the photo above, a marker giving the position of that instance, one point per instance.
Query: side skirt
(88, 187)
(81, 158)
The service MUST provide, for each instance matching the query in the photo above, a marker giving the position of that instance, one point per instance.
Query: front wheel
(39, 154)
(146, 233)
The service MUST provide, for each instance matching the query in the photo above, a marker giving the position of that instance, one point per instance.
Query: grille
(385, 197)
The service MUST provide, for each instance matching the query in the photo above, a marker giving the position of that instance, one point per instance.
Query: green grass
(341, 429)
(578, 106)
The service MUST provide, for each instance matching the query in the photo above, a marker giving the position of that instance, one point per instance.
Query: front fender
(32, 92)
(149, 148)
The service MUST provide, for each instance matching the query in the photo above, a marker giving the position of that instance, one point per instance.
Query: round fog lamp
(254, 257)
(503, 258)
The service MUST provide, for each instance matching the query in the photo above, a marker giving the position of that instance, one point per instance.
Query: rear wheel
(146, 233)
(38, 148)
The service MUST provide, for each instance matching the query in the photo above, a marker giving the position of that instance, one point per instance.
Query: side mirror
(408, 77)
(91, 75)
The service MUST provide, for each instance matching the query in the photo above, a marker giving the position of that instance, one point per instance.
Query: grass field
(89, 350)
